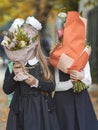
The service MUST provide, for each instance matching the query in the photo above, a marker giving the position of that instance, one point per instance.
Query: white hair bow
(34, 22)
(17, 22)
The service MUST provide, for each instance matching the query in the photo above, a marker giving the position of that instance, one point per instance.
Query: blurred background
(46, 12)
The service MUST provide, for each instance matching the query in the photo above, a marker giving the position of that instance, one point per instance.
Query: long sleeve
(66, 85)
(61, 85)
(37, 72)
(87, 78)
(9, 84)
(47, 86)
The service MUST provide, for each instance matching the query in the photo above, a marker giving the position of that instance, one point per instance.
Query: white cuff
(36, 84)
(87, 78)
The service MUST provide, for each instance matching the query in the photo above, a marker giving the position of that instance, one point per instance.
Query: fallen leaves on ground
(3, 109)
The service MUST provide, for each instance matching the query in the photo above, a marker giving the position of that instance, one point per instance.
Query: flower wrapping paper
(21, 55)
(72, 53)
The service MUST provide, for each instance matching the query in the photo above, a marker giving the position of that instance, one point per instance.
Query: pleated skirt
(34, 114)
(75, 111)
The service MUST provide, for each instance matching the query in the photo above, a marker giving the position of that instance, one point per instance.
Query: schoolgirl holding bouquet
(73, 106)
(32, 106)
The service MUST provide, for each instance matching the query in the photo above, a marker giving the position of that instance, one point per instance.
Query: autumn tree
(41, 9)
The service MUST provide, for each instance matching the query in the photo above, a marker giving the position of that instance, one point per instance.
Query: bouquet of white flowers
(18, 44)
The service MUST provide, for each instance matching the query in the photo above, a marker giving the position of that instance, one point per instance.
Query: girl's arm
(44, 85)
(40, 84)
(9, 84)
(87, 75)
(84, 75)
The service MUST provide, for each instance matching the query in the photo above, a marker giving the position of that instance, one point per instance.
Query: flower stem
(79, 86)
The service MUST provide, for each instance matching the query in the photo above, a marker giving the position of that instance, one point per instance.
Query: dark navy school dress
(31, 108)
(74, 110)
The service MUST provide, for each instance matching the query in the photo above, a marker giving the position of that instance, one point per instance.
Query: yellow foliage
(4, 3)
(13, 10)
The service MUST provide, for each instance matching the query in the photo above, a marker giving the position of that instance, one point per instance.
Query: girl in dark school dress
(74, 110)
(32, 106)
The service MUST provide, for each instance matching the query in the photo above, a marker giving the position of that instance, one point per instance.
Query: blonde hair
(44, 62)
(39, 54)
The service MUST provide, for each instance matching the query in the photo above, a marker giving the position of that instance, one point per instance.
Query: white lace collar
(33, 61)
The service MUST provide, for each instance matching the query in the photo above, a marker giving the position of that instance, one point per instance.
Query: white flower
(23, 44)
(34, 22)
(6, 41)
(17, 22)
(7, 38)
(11, 45)
(62, 14)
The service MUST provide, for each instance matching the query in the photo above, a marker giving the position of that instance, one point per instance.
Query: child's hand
(31, 80)
(76, 75)
(17, 67)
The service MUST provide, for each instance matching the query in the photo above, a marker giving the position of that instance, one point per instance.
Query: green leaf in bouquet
(34, 38)
(16, 47)
(21, 35)
(79, 86)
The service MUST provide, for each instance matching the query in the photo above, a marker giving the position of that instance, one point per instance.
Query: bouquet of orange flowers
(72, 53)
